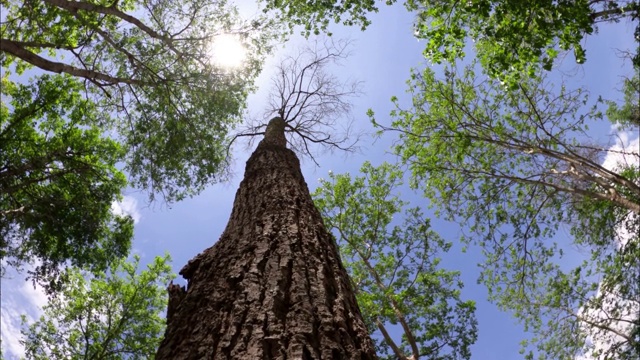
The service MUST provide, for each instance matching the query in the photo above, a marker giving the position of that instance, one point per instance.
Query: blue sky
(382, 58)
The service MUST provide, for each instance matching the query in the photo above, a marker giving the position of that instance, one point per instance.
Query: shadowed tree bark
(273, 286)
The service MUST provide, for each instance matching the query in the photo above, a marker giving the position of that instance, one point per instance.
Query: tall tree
(395, 269)
(110, 82)
(516, 166)
(273, 286)
(109, 315)
(315, 103)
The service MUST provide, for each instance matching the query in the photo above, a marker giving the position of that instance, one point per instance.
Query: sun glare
(227, 51)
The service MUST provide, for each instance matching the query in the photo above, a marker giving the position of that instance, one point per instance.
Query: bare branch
(389, 340)
(314, 104)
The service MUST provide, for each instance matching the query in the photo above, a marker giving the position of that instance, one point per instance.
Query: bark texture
(273, 286)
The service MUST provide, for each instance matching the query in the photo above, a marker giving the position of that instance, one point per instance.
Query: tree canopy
(510, 39)
(100, 95)
(150, 74)
(515, 167)
(314, 103)
(58, 179)
(116, 314)
(395, 269)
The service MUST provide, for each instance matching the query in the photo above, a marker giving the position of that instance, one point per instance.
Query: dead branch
(314, 103)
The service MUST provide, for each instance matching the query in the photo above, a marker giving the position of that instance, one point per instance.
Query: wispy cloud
(624, 153)
(128, 206)
(19, 297)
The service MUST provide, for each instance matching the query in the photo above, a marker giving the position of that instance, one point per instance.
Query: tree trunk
(273, 286)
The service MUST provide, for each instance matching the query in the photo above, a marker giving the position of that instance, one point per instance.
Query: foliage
(152, 69)
(110, 315)
(509, 37)
(58, 179)
(395, 269)
(627, 115)
(127, 83)
(315, 16)
(516, 166)
(512, 39)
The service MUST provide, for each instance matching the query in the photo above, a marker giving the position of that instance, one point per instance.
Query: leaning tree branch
(572, 159)
(74, 6)
(45, 45)
(387, 338)
(20, 52)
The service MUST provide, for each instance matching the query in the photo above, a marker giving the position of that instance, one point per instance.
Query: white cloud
(612, 307)
(19, 297)
(128, 206)
(625, 152)
(36, 295)
(11, 347)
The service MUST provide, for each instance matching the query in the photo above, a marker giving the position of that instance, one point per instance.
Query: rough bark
(273, 286)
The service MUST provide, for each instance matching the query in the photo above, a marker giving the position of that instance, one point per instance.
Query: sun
(227, 51)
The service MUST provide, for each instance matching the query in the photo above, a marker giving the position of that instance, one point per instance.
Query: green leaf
(114, 314)
(510, 166)
(392, 256)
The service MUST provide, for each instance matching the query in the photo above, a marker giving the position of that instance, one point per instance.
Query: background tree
(394, 269)
(516, 166)
(627, 114)
(58, 180)
(510, 39)
(111, 82)
(109, 315)
(273, 286)
(154, 71)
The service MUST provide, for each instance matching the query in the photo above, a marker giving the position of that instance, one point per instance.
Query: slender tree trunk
(273, 286)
